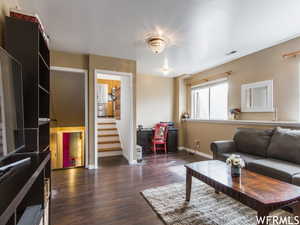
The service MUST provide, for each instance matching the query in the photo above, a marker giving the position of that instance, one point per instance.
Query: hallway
(111, 194)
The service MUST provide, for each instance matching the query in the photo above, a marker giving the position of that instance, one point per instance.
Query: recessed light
(166, 70)
(231, 53)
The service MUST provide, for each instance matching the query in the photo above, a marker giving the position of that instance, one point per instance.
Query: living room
(212, 115)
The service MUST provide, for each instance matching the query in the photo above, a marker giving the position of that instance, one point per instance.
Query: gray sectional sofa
(273, 152)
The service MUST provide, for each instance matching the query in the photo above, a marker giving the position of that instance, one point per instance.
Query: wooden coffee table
(261, 193)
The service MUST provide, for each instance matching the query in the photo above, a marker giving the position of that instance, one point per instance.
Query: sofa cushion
(253, 141)
(285, 145)
(246, 157)
(275, 168)
(296, 179)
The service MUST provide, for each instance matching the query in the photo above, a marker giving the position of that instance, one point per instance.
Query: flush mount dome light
(157, 43)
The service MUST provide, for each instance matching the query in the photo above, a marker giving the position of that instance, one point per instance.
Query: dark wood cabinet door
(144, 139)
(172, 140)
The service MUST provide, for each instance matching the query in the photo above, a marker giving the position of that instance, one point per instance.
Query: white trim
(91, 167)
(250, 87)
(107, 154)
(181, 148)
(86, 109)
(133, 162)
(249, 122)
(110, 72)
(271, 110)
(95, 121)
(298, 94)
(109, 77)
(132, 125)
(68, 69)
(198, 153)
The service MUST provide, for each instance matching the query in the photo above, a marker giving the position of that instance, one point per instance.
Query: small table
(261, 193)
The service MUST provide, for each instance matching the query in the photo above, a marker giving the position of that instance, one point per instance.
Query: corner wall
(179, 106)
(5, 5)
(154, 99)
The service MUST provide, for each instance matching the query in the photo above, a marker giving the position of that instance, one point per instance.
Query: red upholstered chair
(159, 140)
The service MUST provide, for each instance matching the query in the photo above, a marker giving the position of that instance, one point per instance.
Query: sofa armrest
(219, 147)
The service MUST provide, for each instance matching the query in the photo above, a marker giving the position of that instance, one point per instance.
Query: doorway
(114, 128)
(68, 113)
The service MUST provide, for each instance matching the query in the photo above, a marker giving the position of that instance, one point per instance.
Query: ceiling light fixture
(157, 43)
(166, 69)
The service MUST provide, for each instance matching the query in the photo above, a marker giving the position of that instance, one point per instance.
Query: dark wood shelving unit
(26, 196)
(24, 199)
(26, 43)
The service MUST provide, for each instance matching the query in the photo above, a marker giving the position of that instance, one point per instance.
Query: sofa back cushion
(253, 141)
(285, 145)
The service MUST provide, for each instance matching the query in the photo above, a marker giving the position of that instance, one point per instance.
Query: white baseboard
(91, 167)
(181, 148)
(107, 154)
(132, 162)
(197, 152)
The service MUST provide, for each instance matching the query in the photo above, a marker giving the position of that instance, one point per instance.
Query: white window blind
(209, 101)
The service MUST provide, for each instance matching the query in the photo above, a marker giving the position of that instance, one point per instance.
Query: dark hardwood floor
(111, 194)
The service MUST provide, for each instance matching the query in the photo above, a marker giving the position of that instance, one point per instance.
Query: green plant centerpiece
(236, 163)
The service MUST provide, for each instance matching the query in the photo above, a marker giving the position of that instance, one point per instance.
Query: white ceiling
(203, 31)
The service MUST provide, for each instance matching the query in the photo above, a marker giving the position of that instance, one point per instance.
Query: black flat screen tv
(11, 105)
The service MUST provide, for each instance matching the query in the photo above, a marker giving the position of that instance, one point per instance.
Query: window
(209, 101)
(257, 97)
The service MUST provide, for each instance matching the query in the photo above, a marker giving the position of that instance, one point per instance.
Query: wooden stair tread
(109, 142)
(109, 149)
(103, 129)
(108, 135)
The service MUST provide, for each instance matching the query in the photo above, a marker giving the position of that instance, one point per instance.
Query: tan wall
(267, 64)
(110, 64)
(71, 60)
(5, 5)
(206, 133)
(180, 106)
(154, 98)
(67, 99)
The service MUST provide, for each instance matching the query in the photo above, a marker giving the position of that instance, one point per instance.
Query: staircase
(108, 137)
